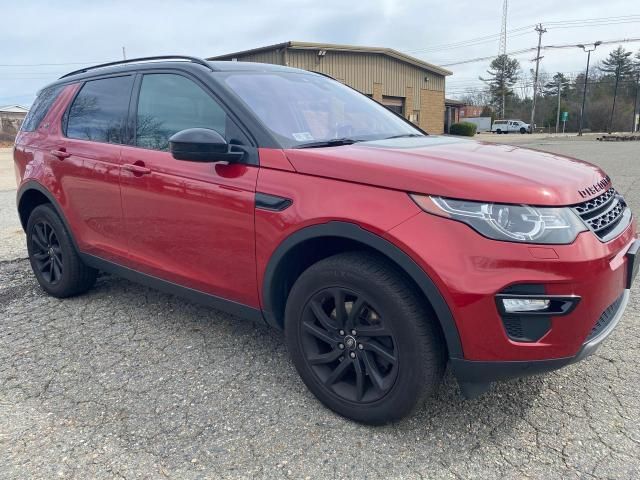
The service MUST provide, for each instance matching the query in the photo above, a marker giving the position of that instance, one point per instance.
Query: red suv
(283, 196)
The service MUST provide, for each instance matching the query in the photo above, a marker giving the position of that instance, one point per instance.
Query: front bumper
(470, 271)
(478, 372)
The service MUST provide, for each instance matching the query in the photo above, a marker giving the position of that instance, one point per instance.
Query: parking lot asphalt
(126, 382)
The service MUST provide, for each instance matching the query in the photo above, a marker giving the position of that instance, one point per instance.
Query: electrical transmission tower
(502, 50)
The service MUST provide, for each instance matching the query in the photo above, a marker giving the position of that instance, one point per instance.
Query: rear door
(188, 222)
(86, 163)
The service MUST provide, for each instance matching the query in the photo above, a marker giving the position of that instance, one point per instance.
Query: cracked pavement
(127, 382)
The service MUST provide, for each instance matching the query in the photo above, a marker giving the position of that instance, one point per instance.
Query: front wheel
(362, 339)
(523, 130)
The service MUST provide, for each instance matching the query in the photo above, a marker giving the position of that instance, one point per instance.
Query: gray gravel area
(126, 382)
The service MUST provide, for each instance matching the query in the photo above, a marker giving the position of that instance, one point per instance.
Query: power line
(588, 22)
(517, 52)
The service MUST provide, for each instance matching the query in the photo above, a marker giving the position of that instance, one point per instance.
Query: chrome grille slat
(595, 203)
(606, 219)
(603, 213)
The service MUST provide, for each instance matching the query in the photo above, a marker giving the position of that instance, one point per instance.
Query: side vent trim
(274, 203)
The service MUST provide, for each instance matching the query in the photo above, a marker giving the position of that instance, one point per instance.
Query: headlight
(513, 223)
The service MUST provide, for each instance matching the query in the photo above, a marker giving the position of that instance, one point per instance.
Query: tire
(523, 130)
(53, 257)
(391, 364)
(498, 131)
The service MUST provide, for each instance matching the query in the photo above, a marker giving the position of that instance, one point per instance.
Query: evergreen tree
(620, 64)
(503, 75)
(550, 89)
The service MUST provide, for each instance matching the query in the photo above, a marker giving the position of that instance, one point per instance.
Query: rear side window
(169, 103)
(99, 111)
(40, 108)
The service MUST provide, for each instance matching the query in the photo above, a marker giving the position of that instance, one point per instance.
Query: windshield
(310, 109)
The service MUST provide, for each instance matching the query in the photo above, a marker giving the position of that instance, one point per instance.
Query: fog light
(517, 305)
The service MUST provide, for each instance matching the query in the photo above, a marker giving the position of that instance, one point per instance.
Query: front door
(187, 222)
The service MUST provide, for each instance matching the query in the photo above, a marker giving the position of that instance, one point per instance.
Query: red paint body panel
(455, 168)
(319, 200)
(192, 223)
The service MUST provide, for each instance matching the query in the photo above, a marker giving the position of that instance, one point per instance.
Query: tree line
(613, 89)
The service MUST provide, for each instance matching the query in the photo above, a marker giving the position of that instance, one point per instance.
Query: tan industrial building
(405, 84)
(11, 117)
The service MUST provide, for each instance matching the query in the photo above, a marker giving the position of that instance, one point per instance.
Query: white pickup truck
(507, 126)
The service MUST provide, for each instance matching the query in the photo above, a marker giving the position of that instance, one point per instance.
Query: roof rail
(197, 60)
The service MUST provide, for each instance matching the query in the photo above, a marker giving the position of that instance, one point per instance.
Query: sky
(73, 33)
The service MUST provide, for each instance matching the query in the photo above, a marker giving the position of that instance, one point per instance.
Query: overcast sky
(81, 32)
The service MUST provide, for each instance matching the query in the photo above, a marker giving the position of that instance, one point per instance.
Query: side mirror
(202, 145)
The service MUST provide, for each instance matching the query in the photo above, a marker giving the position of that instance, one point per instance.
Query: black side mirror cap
(202, 145)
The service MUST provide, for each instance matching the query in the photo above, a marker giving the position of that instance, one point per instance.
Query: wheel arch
(298, 251)
(30, 195)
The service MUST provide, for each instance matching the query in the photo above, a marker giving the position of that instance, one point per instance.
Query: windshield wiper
(334, 142)
(404, 135)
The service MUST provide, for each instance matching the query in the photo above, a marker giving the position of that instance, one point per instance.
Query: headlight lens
(513, 223)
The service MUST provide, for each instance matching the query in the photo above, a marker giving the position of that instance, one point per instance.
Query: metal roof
(340, 48)
(14, 109)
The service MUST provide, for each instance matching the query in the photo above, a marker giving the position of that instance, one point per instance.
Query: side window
(99, 111)
(169, 103)
(40, 108)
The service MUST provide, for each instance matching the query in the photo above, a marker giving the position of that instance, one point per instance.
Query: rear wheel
(54, 260)
(361, 338)
(498, 131)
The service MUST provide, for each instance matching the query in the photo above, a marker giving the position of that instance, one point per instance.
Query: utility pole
(635, 102)
(586, 77)
(558, 114)
(124, 54)
(615, 94)
(540, 31)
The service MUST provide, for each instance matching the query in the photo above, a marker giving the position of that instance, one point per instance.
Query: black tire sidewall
(68, 284)
(409, 384)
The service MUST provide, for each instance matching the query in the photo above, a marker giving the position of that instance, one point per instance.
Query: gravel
(126, 382)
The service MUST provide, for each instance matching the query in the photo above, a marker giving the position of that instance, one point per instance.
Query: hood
(456, 168)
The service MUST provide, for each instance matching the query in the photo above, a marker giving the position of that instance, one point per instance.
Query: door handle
(136, 169)
(60, 153)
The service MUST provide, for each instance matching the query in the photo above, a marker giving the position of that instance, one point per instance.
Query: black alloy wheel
(54, 259)
(362, 339)
(348, 345)
(47, 253)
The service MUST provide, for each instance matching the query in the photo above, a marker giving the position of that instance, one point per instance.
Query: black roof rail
(197, 60)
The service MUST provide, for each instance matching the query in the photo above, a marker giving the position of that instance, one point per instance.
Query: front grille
(605, 318)
(603, 213)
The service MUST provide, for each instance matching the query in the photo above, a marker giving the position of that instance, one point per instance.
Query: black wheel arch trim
(35, 185)
(354, 232)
